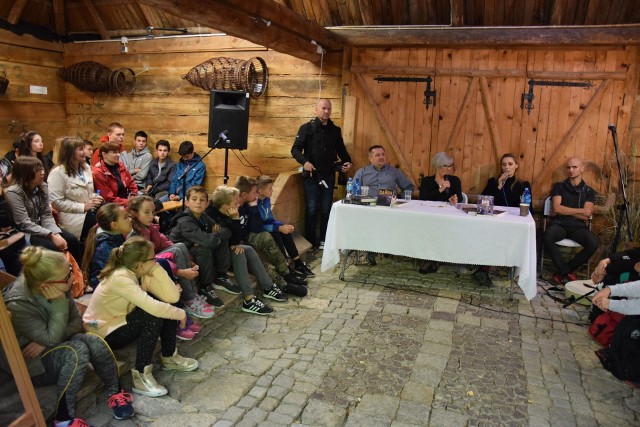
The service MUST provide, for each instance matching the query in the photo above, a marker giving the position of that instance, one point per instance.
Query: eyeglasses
(66, 279)
(448, 166)
(150, 259)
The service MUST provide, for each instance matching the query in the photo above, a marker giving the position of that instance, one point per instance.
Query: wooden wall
(477, 116)
(27, 61)
(168, 107)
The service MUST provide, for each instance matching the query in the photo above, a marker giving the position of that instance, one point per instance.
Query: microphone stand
(183, 177)
(624, 206)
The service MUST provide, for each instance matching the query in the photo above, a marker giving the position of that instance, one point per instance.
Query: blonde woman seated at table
(506, 190)
(440, 187)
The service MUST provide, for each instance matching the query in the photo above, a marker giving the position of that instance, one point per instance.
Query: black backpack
(623, 355)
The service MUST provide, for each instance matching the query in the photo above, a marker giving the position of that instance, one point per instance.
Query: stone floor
(391, 347)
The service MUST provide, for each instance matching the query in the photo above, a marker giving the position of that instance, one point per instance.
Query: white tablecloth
(436, 231)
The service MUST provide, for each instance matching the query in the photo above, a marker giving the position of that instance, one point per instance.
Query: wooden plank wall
(27, 61)
(477, 116)
(168, 107)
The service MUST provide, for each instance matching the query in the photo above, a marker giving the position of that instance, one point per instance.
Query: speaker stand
(226, 165)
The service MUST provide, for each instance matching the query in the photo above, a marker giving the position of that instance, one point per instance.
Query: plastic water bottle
(349, 188)
(356, 186)
(96, 194)
(526, 196)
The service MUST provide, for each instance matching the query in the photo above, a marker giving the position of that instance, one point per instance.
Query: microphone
(612, 128)
(222, 137)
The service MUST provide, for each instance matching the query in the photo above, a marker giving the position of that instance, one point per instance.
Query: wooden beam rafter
(457, 13)
(94, 17)
(16, 12)
(235, 21)
(58, 16)
(434, 36)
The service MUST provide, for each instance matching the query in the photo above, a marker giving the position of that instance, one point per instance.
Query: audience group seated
(100, 206)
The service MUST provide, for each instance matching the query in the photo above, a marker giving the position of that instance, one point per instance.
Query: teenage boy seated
(138, 159)
(280, 231)
(111, 178)
(252, 232)
(244, 259)
(207, 243)
(261, 240)
(161, 171)
(196, 170)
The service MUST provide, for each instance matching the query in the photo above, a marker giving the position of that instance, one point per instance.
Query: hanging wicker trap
(231, 74)
(94, 77)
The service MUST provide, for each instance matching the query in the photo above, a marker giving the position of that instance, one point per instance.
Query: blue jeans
(318, 200)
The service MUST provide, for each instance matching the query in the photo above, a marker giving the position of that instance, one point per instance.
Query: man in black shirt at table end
(573, 202)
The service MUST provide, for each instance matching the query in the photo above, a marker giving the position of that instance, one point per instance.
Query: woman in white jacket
(71, 189)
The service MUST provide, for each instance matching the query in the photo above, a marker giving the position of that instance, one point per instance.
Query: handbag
(603, 327)
(77, 286)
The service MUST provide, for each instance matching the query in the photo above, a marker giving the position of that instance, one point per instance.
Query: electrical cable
(403, 287)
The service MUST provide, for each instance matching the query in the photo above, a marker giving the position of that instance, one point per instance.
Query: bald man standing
(317, 147)
(573, 202)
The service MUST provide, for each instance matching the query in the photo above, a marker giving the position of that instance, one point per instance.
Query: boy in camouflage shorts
(263, 242)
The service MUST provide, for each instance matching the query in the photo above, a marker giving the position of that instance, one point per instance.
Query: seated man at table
(379, 174)
(573, 203)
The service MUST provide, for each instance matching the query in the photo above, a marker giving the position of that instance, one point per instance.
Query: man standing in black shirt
(317, 146)
(573, 203)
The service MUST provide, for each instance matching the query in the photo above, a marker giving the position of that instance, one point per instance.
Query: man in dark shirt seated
(573, 203)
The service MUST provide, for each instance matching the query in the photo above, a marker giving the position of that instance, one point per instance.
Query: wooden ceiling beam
(392, 36)
(58, 17)
(94, 17)
(289, 20)
(286, 32)
(16, 11)
(457, 13)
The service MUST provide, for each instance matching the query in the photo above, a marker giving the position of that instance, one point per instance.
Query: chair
(465, 198)
(567, 243)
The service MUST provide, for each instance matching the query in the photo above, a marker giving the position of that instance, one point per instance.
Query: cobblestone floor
(391, 347)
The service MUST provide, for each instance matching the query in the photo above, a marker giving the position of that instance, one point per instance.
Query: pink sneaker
(193, 326)
(197, 308)
(185, 334)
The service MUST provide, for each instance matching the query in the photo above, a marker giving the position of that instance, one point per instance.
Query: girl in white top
(122, 311)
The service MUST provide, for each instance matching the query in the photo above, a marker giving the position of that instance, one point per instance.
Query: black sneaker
(225, 284)
(255, 306)
(275, 294)
(210, 295)
(295, 290)
(304, 269)
(293, 278)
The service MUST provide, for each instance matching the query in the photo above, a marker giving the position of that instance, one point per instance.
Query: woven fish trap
(95, 77)
(231, 74)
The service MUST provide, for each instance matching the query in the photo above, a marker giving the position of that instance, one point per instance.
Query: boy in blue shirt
(280, 231)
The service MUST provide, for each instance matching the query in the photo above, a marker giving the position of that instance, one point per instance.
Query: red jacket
(104, 181)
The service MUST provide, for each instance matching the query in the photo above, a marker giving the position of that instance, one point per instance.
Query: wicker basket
(95, 77)
(231, 74)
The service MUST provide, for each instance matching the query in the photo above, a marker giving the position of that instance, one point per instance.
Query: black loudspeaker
(228, 119)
